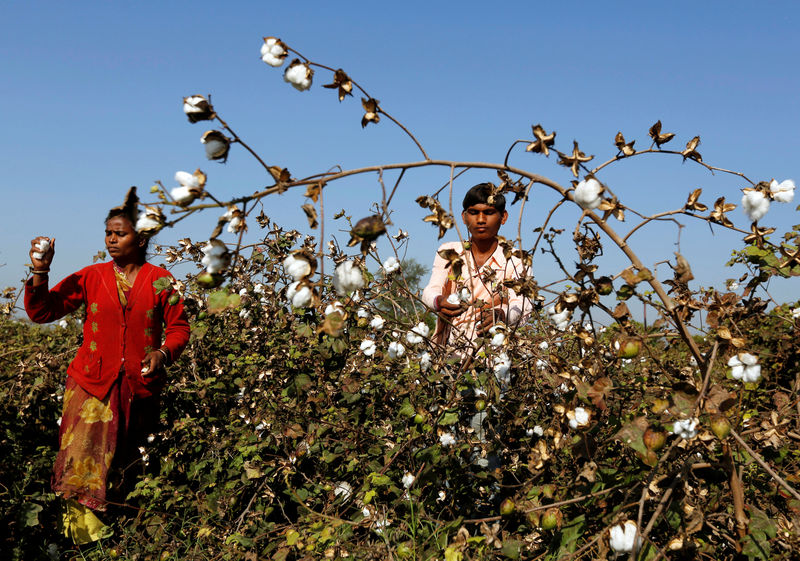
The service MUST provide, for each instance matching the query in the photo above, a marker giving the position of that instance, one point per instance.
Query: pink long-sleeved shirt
(483, 284)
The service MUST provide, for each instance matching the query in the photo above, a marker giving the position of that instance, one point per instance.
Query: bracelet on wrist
(166, 356)
(40, 271)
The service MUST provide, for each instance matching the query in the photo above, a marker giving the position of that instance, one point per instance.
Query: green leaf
(220, 300)
(161, 284)
(511, 548)
(30, 513)
(449, 418)
(406, 409)
(632, 433)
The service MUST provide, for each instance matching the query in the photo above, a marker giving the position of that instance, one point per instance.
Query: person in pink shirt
(470, 303)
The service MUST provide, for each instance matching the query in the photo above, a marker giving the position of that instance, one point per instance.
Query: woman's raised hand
(42, 251)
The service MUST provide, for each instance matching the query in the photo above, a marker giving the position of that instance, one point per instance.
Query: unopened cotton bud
(217, 145)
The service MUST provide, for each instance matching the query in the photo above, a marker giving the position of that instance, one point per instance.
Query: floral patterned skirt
(96, 436)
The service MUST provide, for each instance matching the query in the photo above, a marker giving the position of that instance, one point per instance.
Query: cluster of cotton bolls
(559, 319)
(460, 296)
(755, 202)
(299, 292)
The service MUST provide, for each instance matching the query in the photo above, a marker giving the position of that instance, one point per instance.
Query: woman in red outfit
(111, 399)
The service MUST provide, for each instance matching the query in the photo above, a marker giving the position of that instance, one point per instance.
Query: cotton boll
(299, 296)
(197, 108)
(578, 418)
(453, 299)
(418, 333)
(334, 307)
(368, 347)
(623, 537)
(587, 194)
(446, 439)
(273, 51)
(391, 265)
(408, 480)
(755, 204)
(187, 179)
(782, 192)
(217, 145)
(347, 277)
(377, 323)
(343, 489)
(396, 350)
(297, 268)
(425, 360)
(182, 195)
(299, 75)
(686, 428)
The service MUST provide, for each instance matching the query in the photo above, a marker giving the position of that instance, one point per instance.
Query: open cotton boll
(686, 428)
(377, 322)
(299, 296)
(623, 537)
(215, 148)
(334, 308)
(578, 418)
(465, 295)
(782, 192)
(396, 350)
(215, 257)
(446, 439)
(273, 51)
(147, 222)
(391, 265)
(182, 195)
(297, 268)
(745, 367)
(298, 75)
(187, 179)
(754, 204)
(587, 194)
(368, 347)
(453, 299)
(347, 277)
(425, 360)
(418, 333)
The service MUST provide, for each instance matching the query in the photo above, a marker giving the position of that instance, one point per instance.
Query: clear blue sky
(91, 99)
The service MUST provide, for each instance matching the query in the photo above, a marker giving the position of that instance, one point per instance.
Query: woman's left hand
(152, 362)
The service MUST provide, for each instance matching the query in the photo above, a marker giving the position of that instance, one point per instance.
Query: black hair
(129, 210)
(481, 194)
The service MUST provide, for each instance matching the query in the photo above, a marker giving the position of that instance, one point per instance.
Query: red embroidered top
(114, 336)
